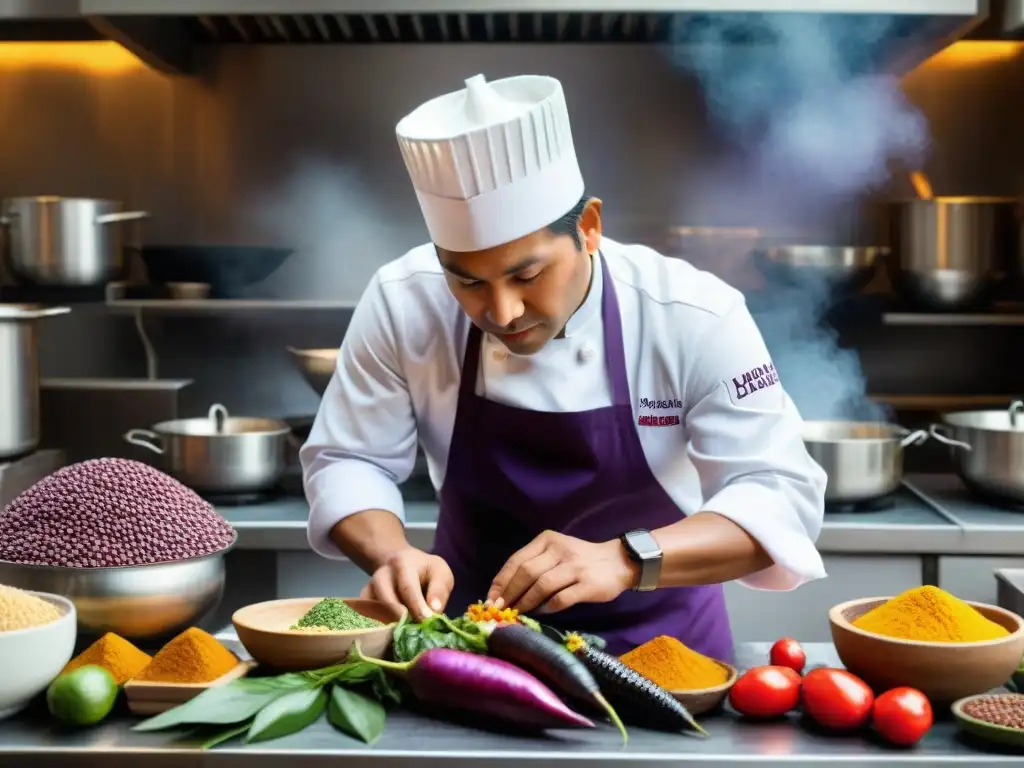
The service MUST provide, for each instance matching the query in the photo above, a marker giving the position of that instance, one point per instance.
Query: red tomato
(766, 692)
(902, 716)
(836, 699)
(788, 653)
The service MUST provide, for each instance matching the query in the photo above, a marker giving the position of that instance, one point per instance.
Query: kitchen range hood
(166, 33)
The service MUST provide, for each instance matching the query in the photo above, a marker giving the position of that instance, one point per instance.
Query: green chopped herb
(333, 614)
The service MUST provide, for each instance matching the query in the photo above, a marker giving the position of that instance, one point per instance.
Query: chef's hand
(412, 578)
(555, 571)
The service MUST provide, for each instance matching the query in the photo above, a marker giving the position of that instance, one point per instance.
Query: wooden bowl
(944, 672)
(263, 628)
(148, 698)
(698, 702)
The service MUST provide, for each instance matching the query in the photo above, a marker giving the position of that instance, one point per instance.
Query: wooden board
(146, 698)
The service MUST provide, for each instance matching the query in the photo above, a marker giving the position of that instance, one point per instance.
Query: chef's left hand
(555, 571)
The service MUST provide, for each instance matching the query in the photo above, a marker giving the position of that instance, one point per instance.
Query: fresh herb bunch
(266, 708)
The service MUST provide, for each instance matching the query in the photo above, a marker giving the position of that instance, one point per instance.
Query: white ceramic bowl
(31, 658)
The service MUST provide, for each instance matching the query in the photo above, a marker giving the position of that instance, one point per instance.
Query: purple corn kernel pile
(110, 512)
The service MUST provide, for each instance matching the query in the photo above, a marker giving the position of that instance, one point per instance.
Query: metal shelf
(953, 318)
(215, 306)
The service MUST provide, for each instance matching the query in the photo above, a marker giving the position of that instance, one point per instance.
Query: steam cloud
(816, 130)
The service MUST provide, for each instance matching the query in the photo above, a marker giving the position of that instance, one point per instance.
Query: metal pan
(842, 268)
(316, 365)
(863, 459)
(987, 449)
(219, 453)
(225, 268)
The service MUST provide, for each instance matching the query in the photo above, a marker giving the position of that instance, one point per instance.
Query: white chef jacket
(717, 428)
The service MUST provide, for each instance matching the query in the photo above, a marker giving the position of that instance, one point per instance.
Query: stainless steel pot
(221, 453)
(863, 459)
(987, 449)
(64, 241)
(946, 251)
(19, 377)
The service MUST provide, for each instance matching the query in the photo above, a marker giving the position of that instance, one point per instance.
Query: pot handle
(218, 414)
(144, 439)
(1015, 408)
(115, 218)
(917, 437)
(935, 430)
(39, 314)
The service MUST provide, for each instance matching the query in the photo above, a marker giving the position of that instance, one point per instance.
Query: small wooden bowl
(706, 699)
(147, 698)
(944, 672)
(263, 628)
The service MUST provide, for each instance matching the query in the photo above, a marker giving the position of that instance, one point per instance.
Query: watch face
(643, 544)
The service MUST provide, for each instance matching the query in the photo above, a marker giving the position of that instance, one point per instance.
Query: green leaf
(225, 734)
(224, 704)
(288, 714)
(356, 715)
(385, 690)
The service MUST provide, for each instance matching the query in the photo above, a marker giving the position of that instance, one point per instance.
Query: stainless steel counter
(932, 516)
(413, 741)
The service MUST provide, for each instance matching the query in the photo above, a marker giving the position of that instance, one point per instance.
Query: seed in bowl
(1006, 709)
(110, 512)
(332, 614)
(20, 610)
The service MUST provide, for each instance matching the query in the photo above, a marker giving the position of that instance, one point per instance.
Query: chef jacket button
(586, 354)
(500, 354)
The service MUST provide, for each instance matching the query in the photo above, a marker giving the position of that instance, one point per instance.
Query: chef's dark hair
(569, 224)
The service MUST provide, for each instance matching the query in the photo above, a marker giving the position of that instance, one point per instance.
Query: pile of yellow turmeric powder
(667, 662)
(194, 656)
(932, 615)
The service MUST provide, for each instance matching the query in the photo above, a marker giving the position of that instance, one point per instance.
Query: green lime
(82, 697)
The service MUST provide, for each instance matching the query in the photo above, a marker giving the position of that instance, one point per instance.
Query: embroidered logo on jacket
(754, 380)
(659, 420)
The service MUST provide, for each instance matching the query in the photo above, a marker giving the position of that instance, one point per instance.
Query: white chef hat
(493, 162)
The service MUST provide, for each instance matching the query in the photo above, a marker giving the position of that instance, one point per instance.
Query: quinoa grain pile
(20, 610)
(110, 512)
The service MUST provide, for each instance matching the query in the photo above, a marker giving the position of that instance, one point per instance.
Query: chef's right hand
(415, 579)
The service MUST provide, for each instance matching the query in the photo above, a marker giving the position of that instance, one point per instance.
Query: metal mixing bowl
(317, 366)
(138, 602)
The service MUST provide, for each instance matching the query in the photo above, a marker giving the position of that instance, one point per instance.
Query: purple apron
(514, 473)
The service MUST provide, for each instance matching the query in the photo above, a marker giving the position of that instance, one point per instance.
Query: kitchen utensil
(947, 250)
(263, 630)
(146, 698)
(863, 459)
(226, 268)
(87, 418)
(990, 732)
(138, 602)
(707, 699)
(842, 268)
(30, 658)
(316, 365)
(64, 241)
(221, 453)
(944, 672)
(987, 449)
(19, 377)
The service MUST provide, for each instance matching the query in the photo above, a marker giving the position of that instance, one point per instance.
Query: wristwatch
(643, 549)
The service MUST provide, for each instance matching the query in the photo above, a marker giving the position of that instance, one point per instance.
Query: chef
(610, 439)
